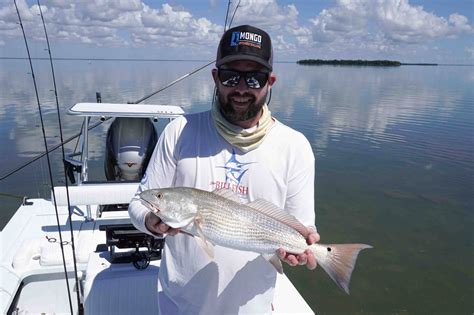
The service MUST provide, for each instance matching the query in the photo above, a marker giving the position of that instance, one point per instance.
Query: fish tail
(338, 260)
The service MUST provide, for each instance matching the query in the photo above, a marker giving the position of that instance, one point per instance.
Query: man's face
(241, 103)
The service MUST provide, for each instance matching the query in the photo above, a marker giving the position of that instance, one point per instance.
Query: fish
(221, 218)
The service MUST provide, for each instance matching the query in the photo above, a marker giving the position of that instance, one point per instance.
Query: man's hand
(305, 258)
(155, 226)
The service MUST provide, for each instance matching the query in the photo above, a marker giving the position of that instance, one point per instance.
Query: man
(237, 145)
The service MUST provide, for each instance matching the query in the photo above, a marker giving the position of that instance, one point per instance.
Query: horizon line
(203, 60)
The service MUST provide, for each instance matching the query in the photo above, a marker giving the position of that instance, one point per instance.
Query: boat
(114, 267)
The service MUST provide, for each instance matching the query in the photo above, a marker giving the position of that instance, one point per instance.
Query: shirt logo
(234, 172)
(246, 39)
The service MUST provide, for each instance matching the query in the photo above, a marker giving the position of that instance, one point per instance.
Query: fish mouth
(150, 205)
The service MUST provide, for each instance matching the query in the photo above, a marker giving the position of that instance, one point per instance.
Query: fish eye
(159, 195)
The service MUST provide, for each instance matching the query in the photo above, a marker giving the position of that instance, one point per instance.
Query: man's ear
(214, 75)
(272, 79)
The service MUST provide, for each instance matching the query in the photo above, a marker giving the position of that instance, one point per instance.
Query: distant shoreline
(326, 62)
(349, 62)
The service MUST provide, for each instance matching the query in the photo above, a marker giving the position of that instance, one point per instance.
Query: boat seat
(96, 193)
(119, 288)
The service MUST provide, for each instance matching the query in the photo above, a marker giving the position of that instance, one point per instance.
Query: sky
(438, 31)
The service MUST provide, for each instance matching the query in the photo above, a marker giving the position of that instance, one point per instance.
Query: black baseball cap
(245, 42)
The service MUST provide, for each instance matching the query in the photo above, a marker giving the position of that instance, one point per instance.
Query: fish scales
(230, 224)
(221, 219)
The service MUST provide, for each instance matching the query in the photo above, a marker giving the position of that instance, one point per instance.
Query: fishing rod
(64, 159)
(47, 156)
(172, 83)
(233, 15)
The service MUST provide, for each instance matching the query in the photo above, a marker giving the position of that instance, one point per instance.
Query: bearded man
(236, 145)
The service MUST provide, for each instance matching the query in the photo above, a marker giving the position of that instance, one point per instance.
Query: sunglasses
(253, 79)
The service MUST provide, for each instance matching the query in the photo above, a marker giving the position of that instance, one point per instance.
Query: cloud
(173, 26)
(393, 20)
(405, 23)
(460, 23)
(281, 22)
(266, 14)
(347, 19)
(104, 11)
(9, 18)
(111, 23)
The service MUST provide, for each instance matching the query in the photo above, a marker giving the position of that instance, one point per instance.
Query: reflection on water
(394, 153)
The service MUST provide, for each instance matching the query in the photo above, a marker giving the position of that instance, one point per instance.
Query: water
(394, 156)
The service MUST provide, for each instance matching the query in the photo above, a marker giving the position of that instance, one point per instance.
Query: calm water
(394, 155)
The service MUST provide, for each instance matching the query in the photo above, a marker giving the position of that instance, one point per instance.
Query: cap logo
(246, 39)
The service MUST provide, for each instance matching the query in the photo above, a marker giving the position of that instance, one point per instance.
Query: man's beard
(229, 113)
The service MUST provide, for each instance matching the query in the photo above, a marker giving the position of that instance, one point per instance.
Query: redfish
(220, 218)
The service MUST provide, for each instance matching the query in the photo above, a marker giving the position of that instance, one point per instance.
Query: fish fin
(275, 261)
(207, 247)
(228, 194)
(202, 240)
(339, 261)
(278, 214)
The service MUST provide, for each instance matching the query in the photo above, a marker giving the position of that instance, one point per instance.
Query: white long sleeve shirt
(190, 153)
